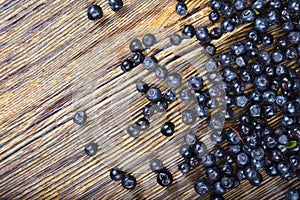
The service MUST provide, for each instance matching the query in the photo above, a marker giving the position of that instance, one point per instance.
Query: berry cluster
(95, 12)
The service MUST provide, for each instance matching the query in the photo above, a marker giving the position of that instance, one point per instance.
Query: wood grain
(54, 62)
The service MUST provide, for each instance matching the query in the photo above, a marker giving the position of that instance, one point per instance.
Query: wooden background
(54, 62)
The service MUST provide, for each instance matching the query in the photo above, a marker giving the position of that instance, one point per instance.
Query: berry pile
(261, 79)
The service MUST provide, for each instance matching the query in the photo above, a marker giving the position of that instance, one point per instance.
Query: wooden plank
(54, 62)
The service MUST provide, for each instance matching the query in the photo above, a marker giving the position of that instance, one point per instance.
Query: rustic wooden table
(54, 62)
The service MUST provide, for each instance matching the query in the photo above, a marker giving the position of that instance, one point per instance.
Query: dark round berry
(216, 4)
(80, 117)
(227, 182)
(91, 149)
(116, 174)
(240, 4)
(202, 34)
(208, 160)
(261, 24)
(226, 59)
(216, 33)
(143, 124)
(135, 45)
(137, 57)
(259, 5)
(175, 39)
(164, 178)
(213, 174)
(267, 40)
(188, 31)
(292, 194)
(170, 95)
(127, 65)
(256, 181)
(218, 188)
(195, 82)
(94, 12)
(153, 94)
(168, 129)
(184, 168)
(149, 40)
(115, 5)
(277, 56)
(294, 37)
(129, 182)
(142, 87)
(214, 16)
(149, 111)
(181, 8)
(228, 10)
(273, 16)
(248, 16)
(156, 165)
(210, 49)
(202, 186)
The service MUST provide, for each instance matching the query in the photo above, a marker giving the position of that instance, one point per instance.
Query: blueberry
(226, 59)
(216, 4)
(142, 87)
(261, 82)
(156, 165)
(228, 10)
(135, 45)
(248, 16)
(202, 186)
(195, 82)
(137, 57)
(94, 12)
(214, 16)
(213, 174)
(292, 194)
(188, 31)
(294, 37)
(287, 26)
(294, 6)
(127, 65)
(267, 40)
(164, 178)
(91, 149)
(143, 124)
(246, 75)
(149, 111)
(116, 174)
(257, 68)
(80, 117)
(174, 80)
(115, 5)
(291, 53)
(208, 160)
(153, 94)
(175, 39)
(129, 182)
(273, 16)
(277, 56)
(218, 188)
(264, 57)
(184, 168)
(275, 3)
(161, 72)
(238, 48)
(181, 8)
(170, 95)
(210, 49)
(241, 101)
(227, 182)
(256, 181)
(227, 26)
(200, 149)
(133, 130)
(168, 129)
(202, 34)
(261, 24)
(226, 169)
(216, 33)
(149, 40)
(240, 4)
(259, 5)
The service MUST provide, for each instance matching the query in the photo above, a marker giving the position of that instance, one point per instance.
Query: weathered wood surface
(54, 62)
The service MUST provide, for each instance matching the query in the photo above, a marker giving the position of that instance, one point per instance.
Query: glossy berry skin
(80, 117)
(127, 65)
(208, 160)
(202, 34)
(175, 39)
(248, 16)
(226, 59)
(195, 82)
(292, 194)
(135, 45)
(143, 124)
(240, 4)
(227, 182)
(142, 87)
(238, 48)
(256, 181)
(168, 129)
(129, 182)
(149, 40)
(133, 130)
(210, 49)
(137, 57)
(202, 186)
(216, 4)
(259, 5)
(261, 24)
(227, 26)
(241, 101)
(227, 10)
(229, 73)
(267, 40)
(170, 95)
(200, 149)
(91, 149)
(116, 174)
(184, 168)
(162, 105)
(214, 16)
(94, 12)
(278, 56)
(218, 188)
(216, 33)
(294, 37)
(181, 8)
(149, 111)
(153, 94)
(156, 165)
(188, 31)
(226, 169)
(115, 5)
(213, 174)
(164, 178)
